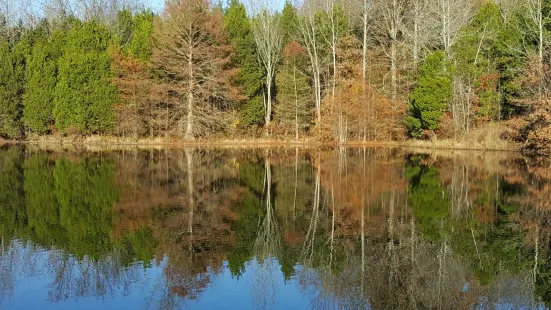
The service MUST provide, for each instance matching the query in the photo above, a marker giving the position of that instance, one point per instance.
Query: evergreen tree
(86, 193)
(140, 44)
(12, 69)
(41, 74)
(294, 92)
(8, 92)
(430, 97)
(134, 33)
(488, 55)
(124, 28)
(429, 200)
(84, 95)
(251, 74)
(289, 22)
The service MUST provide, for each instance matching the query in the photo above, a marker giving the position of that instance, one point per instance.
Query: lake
(279, 228)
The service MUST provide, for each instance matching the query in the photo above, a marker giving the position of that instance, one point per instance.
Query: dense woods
(319, 70)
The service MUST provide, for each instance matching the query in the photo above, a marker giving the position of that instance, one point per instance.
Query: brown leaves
(193, 57)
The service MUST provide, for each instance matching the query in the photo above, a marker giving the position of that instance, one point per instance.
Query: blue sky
(156, 5)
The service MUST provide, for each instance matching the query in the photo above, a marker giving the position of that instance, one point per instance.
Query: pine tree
(140, 45)
(251, 74)
(14, 53)
(289, 22)
(10, 107)
(84, 94)
(431, 96)
(294, 92)
(134, 33)
(41, 81)
(489, 55)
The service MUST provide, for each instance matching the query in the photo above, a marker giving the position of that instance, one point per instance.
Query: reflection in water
(349, 228)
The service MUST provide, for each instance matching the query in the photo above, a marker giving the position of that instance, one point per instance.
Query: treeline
(329, 69)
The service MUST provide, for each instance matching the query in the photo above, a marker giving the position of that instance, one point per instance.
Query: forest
(335, 71)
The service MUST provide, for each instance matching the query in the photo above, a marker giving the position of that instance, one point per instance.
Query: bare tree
(391, 16)
(269, 43)
(105, 11)
(453, 16)
(535, 12)
(192, 51)
(422, 28)
(365, 23)
(333, 39)
(309, 35)
(57, 9)
(8, 10)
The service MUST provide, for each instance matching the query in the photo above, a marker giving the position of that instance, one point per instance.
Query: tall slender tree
(269, 43)
(294, 93)
(246, 58)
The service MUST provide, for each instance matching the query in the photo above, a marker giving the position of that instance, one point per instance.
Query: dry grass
(486, 138)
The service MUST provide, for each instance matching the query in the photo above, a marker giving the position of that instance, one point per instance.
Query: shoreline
(110, 141)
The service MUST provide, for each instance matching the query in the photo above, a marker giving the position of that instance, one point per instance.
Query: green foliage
(42, 206)
(477, 48)
(84, 95)
(294, 95)
(86, 193)
(430, 97)
(13, 216)
(252, 112)
(10, 90)
(15, 50)
(250, 212)
(429, 201)
(41, 74)
(140, 45)
(325, 27)
(67, 205)
(251, 73)
(134, 33)
(139, 246)
(489, 53)
(124, 28)
(289, 22)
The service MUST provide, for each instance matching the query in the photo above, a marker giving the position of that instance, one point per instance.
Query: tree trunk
(268, 100)
(189, 126)
(364, 70)
(416, 10)
(296, 100)
(364, 44)
(393, 69)
(191, 200)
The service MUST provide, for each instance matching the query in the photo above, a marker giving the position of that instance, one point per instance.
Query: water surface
(355, 228)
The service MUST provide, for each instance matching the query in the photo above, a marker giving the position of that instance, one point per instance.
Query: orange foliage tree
(359, 111)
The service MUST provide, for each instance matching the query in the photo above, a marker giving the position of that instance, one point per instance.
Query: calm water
(273, 229)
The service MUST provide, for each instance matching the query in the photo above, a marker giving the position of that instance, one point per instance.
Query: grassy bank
(488, 138)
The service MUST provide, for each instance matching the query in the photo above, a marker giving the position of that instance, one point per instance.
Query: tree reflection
(354, 228)
(65, 205)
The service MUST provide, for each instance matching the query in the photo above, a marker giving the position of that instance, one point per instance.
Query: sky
(156, 5)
